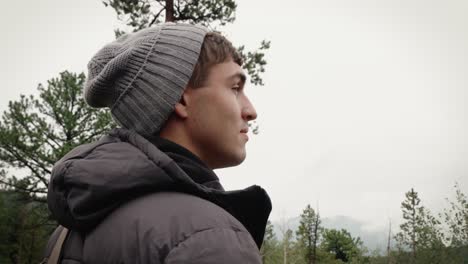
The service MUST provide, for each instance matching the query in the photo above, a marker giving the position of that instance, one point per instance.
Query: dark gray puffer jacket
(131, 200)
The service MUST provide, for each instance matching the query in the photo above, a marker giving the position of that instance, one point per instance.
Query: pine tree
(456, 221)
(287, 244)
(419, 232)
(269, 250)
(456, 218)
(139, 14)
(308, 233)
(389, 242)
(36, 132)
(24, 228)
(342, 245)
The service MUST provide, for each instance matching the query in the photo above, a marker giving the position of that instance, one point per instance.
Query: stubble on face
(216, 123)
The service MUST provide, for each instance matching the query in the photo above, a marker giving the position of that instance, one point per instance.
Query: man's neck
(177, 135)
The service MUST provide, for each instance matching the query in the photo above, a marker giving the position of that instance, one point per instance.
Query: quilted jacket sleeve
(216, 245)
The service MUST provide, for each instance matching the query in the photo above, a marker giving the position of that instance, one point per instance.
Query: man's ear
(181, 107)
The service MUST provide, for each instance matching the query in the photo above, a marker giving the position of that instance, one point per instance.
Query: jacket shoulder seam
(90, 151)
(231, 228)
(69, 162)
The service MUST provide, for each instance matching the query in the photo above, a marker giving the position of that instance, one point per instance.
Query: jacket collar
(193, 166)
(251, 206)
(92, 180)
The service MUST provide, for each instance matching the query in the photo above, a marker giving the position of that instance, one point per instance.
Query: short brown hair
(215, 49)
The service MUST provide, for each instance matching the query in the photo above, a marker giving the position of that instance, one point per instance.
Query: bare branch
(156, 16)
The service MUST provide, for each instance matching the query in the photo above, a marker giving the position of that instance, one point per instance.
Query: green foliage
(139, 14)
(456, 218)
(296, 253)
(289, 249)
(270, 251)
(36, 132)
(254, 62)
(287, 244)
(420, 231)
(308, 233)
(342, 245)
(24, 228)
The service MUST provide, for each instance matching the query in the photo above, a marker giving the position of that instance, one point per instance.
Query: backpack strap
(55, 254)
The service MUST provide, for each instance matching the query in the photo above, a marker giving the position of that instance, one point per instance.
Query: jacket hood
(94, 179)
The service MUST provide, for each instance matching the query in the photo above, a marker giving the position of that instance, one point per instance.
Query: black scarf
(251, 206)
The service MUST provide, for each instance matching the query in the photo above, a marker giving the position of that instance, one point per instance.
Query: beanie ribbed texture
(141, 76)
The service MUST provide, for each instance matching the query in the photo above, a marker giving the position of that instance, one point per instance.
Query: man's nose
(248, 111)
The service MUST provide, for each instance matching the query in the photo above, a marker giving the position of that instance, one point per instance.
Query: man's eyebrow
(239, 75)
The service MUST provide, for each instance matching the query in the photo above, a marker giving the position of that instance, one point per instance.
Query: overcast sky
(363, 99)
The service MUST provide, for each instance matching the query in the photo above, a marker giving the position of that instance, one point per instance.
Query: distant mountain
(375, 239)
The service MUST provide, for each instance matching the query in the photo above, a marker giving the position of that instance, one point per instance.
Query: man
(147, 193)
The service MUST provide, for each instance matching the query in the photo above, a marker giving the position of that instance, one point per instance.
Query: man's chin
(232, 161)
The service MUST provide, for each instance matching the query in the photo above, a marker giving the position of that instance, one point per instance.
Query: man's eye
(236, 89)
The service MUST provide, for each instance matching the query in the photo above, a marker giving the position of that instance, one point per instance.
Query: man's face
(218, 113)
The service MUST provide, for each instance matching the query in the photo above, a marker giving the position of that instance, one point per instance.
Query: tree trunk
(169, 10)
(314, 246)
(413, 235)
(309, 250)
(389, 241)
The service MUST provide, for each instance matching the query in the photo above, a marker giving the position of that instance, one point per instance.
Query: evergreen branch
(52, 139)
(56, 120)
(18, 157)
(28, 190)
(96, 133)
(29, 132)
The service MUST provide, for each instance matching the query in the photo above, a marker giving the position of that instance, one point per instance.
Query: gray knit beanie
(141, 76)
